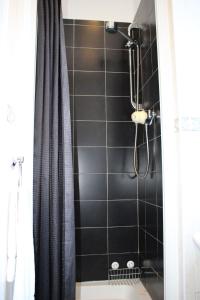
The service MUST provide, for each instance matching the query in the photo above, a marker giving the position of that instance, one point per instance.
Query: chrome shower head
(111, 27)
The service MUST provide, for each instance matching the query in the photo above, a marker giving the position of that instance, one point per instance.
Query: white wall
(118, 10)
(179, 47)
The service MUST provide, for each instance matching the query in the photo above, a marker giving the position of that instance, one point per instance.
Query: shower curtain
(53, 181)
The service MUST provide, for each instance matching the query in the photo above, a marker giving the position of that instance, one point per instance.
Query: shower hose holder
(151, 115)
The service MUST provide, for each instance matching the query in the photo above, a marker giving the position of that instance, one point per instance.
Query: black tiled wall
(105, 186)
(150, 188)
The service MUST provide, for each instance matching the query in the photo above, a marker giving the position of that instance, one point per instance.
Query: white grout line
(111, 253)
(103, 121)
(105, 227)
(109, 200)
(148, 80)
(146, 202)
(96, 48)
(153, 237)
(97, 71)
(111, 96)
(107, 186)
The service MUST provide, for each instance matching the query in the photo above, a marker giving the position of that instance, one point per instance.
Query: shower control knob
(130, 264)
(115, 265)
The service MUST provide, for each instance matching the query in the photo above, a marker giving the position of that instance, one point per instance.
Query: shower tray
(102, 290)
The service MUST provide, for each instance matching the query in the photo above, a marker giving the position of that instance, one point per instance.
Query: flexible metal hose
(135, 160)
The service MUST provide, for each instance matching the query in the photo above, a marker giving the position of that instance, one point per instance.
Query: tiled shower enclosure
(118, 217)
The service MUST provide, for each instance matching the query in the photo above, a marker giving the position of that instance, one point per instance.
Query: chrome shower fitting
(144, 117)
(139, 116)
(151, 115)
(112, 27)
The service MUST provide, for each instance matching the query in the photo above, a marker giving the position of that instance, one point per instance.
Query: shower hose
(135, 156)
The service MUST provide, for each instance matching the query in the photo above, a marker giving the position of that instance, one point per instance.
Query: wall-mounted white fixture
(115, 265)
(130, 264)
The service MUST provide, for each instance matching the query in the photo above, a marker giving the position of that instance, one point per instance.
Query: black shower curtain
(53, 206)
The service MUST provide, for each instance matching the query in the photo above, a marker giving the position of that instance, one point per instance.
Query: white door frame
(170, 150)
(178, 27)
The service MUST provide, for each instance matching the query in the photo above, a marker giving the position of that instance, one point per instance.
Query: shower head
(112, 27)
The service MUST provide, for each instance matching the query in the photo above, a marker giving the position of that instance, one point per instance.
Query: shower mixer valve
(143, 117)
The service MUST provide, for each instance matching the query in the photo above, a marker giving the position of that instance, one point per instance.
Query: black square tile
(91, 241)
(91, 213)
(153, 155)
(89, 83)
(159, 193)
(68, 30)
(151, 219)
(89, 108)
(142, 158)
(97, 270)
(122, 186)
(146, 68)
(123, 239)
(69, 52)
(71, 108)
(68, 21)
(70, 78)
(120, 160)
(119, 109)
(150, 92)
(142, 214)
(142, 241)
(90, 133)
(150, 188)
(89, 59)
(158, 155)
(145, 38)
(151, 249)
(89, 36)
(90, 187)
(141, 188)
(90, 160)
(154, 55)
(117, 60)
(116, 40)
(122, 213)
(155, 159)
(120, 134)
(160, 224)
(117, 84)
(89, 22)
(160, 268)
(122, 259)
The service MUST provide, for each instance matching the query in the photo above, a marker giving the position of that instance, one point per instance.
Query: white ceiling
(118, 10)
